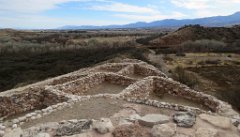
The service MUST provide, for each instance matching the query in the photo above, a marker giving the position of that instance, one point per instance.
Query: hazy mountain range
(216, 21)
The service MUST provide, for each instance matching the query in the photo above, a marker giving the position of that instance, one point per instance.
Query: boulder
(206, 132)
(73, 127)
(153, 119)
(184, 119)
(164, 130)
(103, 126)
(218, 121)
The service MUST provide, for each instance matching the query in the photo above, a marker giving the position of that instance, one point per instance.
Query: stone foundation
(25, 102)
(64, 91)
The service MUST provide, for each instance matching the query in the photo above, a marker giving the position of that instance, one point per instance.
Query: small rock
(185, 119)
(38, 116)
(15, 121)
(236, 122)
(42, 135)
(218, 121)
(124, 122)
(206, 132)
(14, 126)
(2, 127)
(153, 119)
(164, 130)
(104, 125)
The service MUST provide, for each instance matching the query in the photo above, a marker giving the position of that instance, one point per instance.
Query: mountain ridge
(215, 21)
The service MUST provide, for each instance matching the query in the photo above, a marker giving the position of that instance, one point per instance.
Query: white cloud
(190, 4)
(32, 6)
(122, 7)
(207, 8)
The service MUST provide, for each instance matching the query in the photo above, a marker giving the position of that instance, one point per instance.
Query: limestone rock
(218, 121)
(164, 130)
(17, 132)
(42, 135)
(185, 119)
(206, 132)
(153, 119)
(73, 127)
(123, 121)
(103, 126)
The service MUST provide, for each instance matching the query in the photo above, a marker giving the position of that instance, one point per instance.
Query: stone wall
(113, 67)
(86, 83)
(118, 79)
(24, 102)
(139, 89)
(82, 85)
(127, 70)
(147, 70)
(174, 88)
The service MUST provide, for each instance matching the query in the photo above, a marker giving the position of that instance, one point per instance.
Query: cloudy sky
(34, 14)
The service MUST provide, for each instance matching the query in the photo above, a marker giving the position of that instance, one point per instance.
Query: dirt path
(92, 109)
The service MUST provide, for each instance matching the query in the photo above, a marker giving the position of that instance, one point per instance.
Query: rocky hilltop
(125, 98)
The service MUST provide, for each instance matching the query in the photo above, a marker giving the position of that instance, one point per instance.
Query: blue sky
(33, 14)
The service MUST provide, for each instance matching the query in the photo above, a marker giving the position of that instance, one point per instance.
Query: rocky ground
(126, 108)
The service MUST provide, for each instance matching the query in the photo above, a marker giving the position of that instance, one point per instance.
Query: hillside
(196, 32)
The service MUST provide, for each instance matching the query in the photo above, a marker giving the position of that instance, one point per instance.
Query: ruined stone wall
(113, 67)
(127, 70)
(139, 89)
(20, 103)
(82, 85)
(174, 88)
(118, 79)
(147, 71)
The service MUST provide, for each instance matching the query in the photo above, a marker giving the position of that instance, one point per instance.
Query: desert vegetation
(28, 57)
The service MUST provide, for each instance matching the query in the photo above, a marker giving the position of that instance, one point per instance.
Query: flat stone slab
(153, 119)
(184, 119)
(218, 121)
(164, 130)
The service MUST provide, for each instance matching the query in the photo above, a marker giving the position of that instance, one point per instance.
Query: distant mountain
(216, 21)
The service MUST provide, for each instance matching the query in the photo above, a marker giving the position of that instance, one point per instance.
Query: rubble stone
(164, 130)
(184, 119)
(153, 119)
